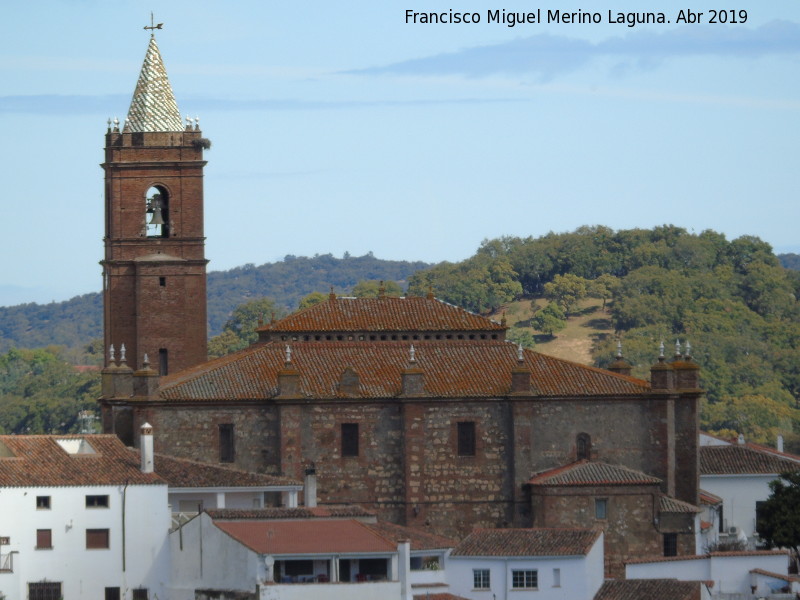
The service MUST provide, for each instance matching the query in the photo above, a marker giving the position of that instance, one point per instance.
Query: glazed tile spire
(153, 107)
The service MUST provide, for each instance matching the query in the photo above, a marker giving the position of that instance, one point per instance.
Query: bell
(155, 208)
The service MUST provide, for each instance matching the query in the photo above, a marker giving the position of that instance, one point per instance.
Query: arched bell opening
(157, 212)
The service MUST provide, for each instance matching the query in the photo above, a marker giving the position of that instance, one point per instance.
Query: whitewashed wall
(739, 495)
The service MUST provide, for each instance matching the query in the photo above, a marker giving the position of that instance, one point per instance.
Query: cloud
(549, 55)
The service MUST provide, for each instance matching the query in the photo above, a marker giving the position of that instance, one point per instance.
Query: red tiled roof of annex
(584, 472)
(69, 460)
(186, 473)
(659, 559)
(740, 460)
(451, 370)
(419, 538)
(307, 537)
(527, 542)
(344, 511)
(652, 589)
(673, 505)
(383, 314)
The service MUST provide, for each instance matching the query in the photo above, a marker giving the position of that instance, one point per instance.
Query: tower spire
(153, 107)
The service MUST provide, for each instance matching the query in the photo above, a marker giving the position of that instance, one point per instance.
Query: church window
(163, 362)
(157, 212)
(349, 439)
(670, 544)
(583, 445)
(466, 438)
(162, 281)
(227, 452)
(601, 508)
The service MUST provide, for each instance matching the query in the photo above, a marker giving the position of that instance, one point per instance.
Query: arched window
(583, 444)
(157, 212)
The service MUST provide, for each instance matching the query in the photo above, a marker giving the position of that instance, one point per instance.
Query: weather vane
(152, 27)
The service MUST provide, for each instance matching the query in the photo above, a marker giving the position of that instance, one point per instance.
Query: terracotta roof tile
(39, 461)
(673, 505)
(741, 460)
(651, 589)
(420, 539)
(438, 597)
(527, 542)
(301, 512)
(783, 577)
(384, 314)
(709, 498)
(586, 472)
(657, 559)
(185, 473)
(453, 369)
(307, 537)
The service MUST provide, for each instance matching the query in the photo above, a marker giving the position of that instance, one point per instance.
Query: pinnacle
(153, 107)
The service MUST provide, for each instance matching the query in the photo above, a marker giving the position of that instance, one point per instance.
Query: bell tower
(154, 268)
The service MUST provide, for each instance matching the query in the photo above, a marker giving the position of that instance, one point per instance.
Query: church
(413, 408)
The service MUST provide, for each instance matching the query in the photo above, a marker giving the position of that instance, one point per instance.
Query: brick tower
(154, 269)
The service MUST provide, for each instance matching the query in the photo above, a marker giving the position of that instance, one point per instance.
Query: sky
(348, 127)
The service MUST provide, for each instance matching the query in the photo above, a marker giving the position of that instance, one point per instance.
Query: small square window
(112, 593)
(481, 579)
(140, 594)
(97, 501)
(601, 508)
(466, 438)
(349, 439)
(97, 539)
(44, 539)
(43, 502)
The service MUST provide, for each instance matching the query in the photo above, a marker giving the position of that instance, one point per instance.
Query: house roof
(383, 314)
(69, 460)
(659, 559)
(153, 106)
(475, 368)
(527, 542)
(781, 576)
(709, 498)
(584, 472)
(652, 589)
(185, 473)
(739, 459)
(420, 539)
(307, 537)
(301, 512)
(673, 505)
(444, 596)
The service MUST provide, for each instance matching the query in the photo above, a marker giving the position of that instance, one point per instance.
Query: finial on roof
(152, 27)
(677, 348)
(109, 123)
(520, 353)
(332, 295)
(188, 122)
(288, 354)
(116, 124)
(381, 290)
(196, 123)
(688, 350)
(503, 320)
(661, 350)
(111, 353)
(272, 317)
(412, 354)
(619, 348)
(122, 353)
(146, 361)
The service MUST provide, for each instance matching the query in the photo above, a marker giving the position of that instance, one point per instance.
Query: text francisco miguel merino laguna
(630, 19)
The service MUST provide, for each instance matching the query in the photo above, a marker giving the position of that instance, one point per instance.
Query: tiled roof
(586, 472)
(301, 512)
(527, 542)
(709, 498)
(451, 370)
(782, 577)
(381, 315)
(659, 559)
(673, 505)
(651, 589)
(185, 473)
(438, 597)
(39, 461)
(307, 537)
(740, 460)
(420, 539)
(153, 107)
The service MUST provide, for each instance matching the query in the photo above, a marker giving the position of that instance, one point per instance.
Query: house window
(583, 445)
(44, 539)
(670, 544)
(227, 451)
(112, 593)
(349, 439)
(556, 577)
(466, 438)
(43, 502)
(96, 539)
(601, 508)
(140, 594)
(97, 501)
(525, 580)
(480, 579)
(425, 563)
(44, 590)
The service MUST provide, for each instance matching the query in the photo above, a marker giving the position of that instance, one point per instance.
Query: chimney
(780, 443)
(310, 488)
(662, 377)
(620, 365)
(404, 568)
(412, 377)
(146, 448)
(740, 439)
(145, 380)
(521, 374)
(349, 382)
(288, 378)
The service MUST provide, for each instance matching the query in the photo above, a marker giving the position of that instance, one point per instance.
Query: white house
(527, 564)
(330, 552)
(80, 519)
(739, 474)
(729, 572)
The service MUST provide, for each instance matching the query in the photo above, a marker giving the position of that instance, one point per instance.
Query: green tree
(603, 287)
(566, 291)
(779, 516)
(522, 336)
(549, 320)
(370, 288)
(240, 329)
(312, 299)
(758, 417)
